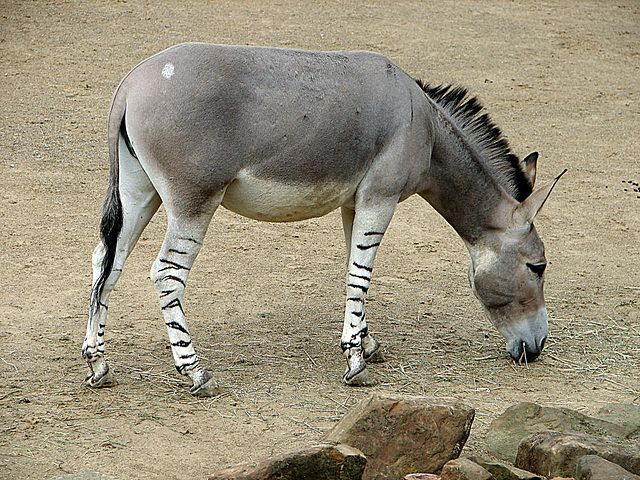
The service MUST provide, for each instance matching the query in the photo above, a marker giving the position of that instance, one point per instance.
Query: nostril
(544, 340)
(524, 353)
(532, 351)
(532, 355)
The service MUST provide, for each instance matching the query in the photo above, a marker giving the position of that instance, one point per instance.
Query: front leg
(358, 346)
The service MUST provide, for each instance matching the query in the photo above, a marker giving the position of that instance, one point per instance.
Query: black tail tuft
(110, 227)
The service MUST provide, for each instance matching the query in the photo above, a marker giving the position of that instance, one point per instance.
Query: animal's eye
(537, 268)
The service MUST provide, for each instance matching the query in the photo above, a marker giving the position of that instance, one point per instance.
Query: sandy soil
(265, 300)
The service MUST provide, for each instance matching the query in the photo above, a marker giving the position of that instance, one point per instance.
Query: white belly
(270, 201)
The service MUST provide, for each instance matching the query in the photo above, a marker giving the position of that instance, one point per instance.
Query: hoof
(207, 389)
(376, 356)
(105, 380)
(371, 350)
(360, 379)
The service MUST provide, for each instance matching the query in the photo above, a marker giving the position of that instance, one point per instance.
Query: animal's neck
(461, 188)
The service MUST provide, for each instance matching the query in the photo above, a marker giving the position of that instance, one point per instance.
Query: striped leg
(93, 346)
(169, 273)
(370, 347)
(367, 228)
(139, 202)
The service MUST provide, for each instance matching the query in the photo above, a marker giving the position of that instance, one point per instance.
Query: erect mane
(487, 139)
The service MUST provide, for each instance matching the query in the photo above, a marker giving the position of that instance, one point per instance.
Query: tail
(112, 215)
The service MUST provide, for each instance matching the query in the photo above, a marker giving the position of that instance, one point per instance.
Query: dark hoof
(360, 379)
(207, 389)
(376, 356)
(105, 380)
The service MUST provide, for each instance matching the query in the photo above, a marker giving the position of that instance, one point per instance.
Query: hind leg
(169, 274)
(139, 202)
(93, 346)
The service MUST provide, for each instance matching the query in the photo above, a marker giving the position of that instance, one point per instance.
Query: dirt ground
(265, 301)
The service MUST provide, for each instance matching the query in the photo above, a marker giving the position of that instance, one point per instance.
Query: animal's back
(298, 116)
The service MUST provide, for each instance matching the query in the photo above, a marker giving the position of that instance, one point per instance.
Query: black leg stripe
(181, 343)
(186, 366)
(367, 247)
(189, 364)
(346, 345)
(357, 314)
(359, 333)
(164, 293)
(172, 265)
(363, 277)
(355, 299)
(373, 233)
(363, 267)
(179, 252)
(361, 287)
(177, 326)
(173, 304)
(173, 277)
(189, 239)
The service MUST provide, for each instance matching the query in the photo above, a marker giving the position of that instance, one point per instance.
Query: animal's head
(507, 274)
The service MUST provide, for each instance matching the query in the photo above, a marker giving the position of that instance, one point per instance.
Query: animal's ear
(525, 213)
(529, 164)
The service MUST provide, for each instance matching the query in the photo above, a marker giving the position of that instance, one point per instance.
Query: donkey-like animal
(283, 135)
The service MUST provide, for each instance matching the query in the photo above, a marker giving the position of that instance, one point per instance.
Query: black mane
(467, 113)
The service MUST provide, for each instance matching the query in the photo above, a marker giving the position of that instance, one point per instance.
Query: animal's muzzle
(524, 352)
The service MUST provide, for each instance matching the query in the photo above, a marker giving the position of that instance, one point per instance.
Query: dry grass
(265, 301)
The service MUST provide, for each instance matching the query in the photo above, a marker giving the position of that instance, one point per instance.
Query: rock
(321, 462)
(626, 415)
(593, 467)
(556, 453)
(422, 476)
(403, 434)
(464, 469)
(502, 471)
(520, 421)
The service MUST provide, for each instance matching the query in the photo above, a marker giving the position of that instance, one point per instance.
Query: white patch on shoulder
(168, 70)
